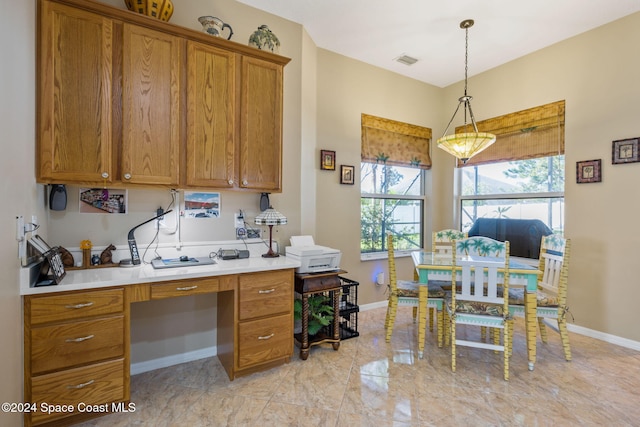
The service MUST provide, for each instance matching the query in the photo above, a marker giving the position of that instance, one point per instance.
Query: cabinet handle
(82, 305)
(105, 175)
(230, 182)
(245, 182)
(127, 176)
(187, 288)
(75, 387)
(88, 337)
(266, 337)
(266, 291)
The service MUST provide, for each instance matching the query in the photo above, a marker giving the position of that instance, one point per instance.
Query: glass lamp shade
(466, 145)
(271, 217)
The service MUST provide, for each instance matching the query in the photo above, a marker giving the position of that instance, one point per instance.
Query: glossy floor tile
(368, 382)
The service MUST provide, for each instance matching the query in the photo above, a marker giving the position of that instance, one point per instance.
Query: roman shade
(527, 134)
(395, 143)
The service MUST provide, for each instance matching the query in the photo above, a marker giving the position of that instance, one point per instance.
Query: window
(395, 156)
(524, 189)
(392, 201)
(520, 176)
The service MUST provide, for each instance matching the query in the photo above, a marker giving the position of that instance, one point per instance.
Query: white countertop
(95, 278)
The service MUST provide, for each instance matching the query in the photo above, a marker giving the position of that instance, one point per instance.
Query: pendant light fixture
(465, 145)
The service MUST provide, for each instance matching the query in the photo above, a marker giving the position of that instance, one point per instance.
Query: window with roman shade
(527, 134)
(395, 143)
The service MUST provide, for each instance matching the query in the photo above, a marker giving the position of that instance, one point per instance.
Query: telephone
(232, 254)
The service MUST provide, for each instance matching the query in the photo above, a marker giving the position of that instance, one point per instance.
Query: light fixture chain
(466, 58)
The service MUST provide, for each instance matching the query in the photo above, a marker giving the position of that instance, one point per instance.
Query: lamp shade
(270, 217)
(466, 145)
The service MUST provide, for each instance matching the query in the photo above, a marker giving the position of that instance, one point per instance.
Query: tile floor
(371, 383)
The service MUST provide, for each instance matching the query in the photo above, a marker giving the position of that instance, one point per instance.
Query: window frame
(422, 197)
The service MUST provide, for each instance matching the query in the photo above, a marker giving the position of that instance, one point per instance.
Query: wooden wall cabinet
(127, 99)
(74, 90)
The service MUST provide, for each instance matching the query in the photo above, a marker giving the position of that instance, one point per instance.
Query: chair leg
(496, 337)
(453, 345)
(543, 329)
(441, 331)
(447, 328)
(564, 336)
(510, 325)
(415, 314)
(507, 346)
(431, 316)
(483, 333)
(392, 309)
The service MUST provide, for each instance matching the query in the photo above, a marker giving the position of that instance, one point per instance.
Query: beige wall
(324, 96)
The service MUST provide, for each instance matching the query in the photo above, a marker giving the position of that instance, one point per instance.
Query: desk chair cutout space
(406, 293)
(478, 300)
(552, 289)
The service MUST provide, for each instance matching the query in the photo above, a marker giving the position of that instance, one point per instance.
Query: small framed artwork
(588, 171)
(327, 160)
(346, 174)
(625, 151)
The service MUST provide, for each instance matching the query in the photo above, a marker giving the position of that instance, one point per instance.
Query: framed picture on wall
(588, 171)
(346, 174)
(625, 151)
(327, 160)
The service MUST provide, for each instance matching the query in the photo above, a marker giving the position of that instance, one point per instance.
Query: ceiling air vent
(406, 59)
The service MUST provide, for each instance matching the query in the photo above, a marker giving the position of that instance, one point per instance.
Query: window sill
(374, 256)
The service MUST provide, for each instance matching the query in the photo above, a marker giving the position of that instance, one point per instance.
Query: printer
(313, 258)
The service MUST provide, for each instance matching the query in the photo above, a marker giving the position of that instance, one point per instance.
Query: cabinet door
(150, 106)
(261, 125)
(211, 116)
(75, 72)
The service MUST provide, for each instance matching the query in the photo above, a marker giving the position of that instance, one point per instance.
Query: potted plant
(320, 313)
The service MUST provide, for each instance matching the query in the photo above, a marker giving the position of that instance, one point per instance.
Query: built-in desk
(76, 334)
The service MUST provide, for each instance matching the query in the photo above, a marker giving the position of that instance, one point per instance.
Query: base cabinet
(76, 352)
(77, 345)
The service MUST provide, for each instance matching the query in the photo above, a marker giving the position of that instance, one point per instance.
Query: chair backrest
(479, 272)
(481, 246)
(393, 281)
(554, 264)
(442, 241)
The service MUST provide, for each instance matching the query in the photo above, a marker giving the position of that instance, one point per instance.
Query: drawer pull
(266, 337)
(187, 288)
(83, 385)
(88, 337)
(82, 305)
(266, 291)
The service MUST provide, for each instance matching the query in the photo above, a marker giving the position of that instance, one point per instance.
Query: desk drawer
(92, 385)
(260, 341)
(265, 294)
(76, 305)
(71, 344)
(180, 288)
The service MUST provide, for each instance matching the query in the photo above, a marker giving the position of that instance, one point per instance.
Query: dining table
(431, 267)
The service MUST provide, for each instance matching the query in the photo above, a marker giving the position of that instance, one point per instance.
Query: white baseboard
(612, 339)
(373, 305)
(176, 359)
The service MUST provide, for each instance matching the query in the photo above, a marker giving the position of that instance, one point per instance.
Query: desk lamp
(270, 217)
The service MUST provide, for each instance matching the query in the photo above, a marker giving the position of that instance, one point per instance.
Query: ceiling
(379, 31)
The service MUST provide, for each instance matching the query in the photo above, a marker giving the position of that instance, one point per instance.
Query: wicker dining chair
(405, 293)
(552, 289)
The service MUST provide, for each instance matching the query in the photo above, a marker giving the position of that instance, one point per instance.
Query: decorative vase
(214, 26)
(264, 39)
(161, 9)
